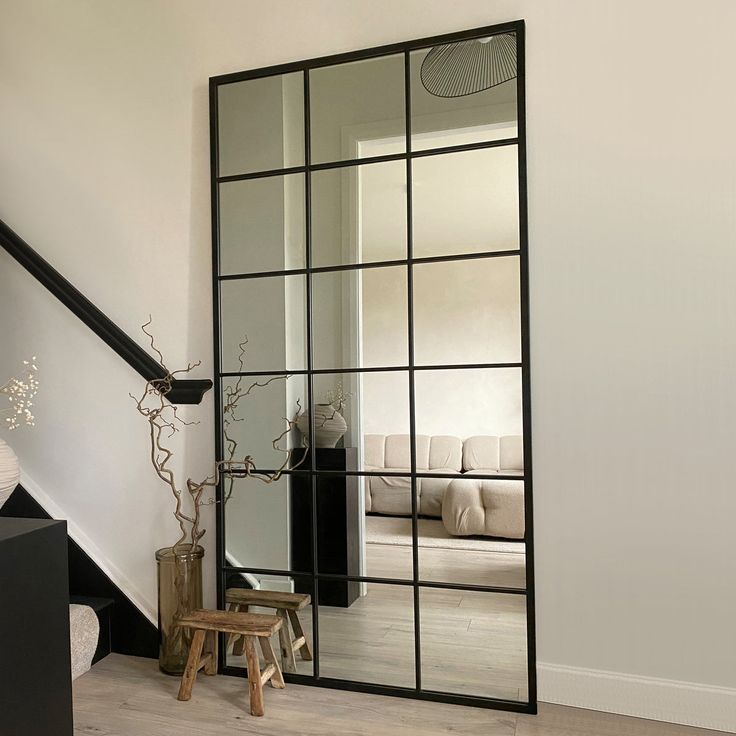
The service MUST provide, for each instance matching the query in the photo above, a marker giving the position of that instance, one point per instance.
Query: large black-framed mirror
(370, 243)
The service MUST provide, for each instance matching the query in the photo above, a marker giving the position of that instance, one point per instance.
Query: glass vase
(179, 592)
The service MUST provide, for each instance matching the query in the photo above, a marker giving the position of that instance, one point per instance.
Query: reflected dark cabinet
(338, 526)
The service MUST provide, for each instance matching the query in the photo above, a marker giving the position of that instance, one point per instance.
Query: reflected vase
(9, 471)
(179, 593)
(329, 425)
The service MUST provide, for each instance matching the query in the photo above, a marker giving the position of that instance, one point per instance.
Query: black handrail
(184, 391)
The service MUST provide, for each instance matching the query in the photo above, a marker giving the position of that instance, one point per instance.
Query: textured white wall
(104, 168)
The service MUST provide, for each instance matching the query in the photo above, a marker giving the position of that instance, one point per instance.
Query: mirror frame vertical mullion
(412, 389)
(531, 639)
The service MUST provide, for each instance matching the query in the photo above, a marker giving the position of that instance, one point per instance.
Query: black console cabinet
(35, 676)
(339, 517)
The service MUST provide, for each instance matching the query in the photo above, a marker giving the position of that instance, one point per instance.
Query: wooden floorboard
(128, 696)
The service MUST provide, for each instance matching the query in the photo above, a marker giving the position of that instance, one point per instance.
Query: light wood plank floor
(127, 696)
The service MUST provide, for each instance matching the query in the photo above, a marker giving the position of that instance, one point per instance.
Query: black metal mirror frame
(416, 584)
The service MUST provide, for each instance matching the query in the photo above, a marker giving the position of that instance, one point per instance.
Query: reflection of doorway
(375, 207)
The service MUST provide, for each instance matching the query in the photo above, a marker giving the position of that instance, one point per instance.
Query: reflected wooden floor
(471, 643)
(128, 696)
(440, 565)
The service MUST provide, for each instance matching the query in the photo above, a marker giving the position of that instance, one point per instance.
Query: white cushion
(433, 493)
(445, 452)
(391, 494)
(373, 450)
(84, 631)
(398, 452)
(492, 508)
(481, 451)
(511, 452)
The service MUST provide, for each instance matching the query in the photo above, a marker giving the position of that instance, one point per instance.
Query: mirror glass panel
(263, 324)
(451, 96)
(466, 202)
(360, 318)
(255, 413)
(467, 312)
(372, 640)
(485, 655)
(370, 347)
(464, 404)
(262, 224)
(350, 102)
(484, 556)
(357, 410)
(261, 124)
(359, 214)
(258, 523)
(388, 548)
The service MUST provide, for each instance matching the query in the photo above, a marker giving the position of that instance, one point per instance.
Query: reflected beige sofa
(467, 505)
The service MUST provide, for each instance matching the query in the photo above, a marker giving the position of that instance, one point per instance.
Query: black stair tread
(97, 604)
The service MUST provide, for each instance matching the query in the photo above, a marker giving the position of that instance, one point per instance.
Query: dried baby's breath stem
(20, 391)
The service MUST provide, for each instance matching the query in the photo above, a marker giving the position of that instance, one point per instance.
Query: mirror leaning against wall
(371, 291)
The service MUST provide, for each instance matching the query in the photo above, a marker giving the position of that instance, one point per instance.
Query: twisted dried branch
(164, 422)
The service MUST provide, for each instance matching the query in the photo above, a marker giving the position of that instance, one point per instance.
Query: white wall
(104, 168)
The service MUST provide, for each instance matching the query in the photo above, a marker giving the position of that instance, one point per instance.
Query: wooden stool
(287, 606)
(249, 626)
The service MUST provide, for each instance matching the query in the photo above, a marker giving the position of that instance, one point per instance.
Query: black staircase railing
(184, 391)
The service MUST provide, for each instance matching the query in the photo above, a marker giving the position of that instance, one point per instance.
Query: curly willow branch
(164, 422)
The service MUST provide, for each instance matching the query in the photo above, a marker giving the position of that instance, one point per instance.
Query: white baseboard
(90, 548)
(670, 701)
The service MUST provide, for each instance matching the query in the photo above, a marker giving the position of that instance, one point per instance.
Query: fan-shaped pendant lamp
(466, 67)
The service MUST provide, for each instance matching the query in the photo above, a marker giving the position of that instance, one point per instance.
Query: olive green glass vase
(179, 592)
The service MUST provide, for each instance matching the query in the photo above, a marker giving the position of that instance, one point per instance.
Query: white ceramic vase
(9, 471)
(329, 425)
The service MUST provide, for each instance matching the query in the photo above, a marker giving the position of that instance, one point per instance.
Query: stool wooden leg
(238, 646)
(210, 667)
(287, 650)
(190, 671)
(277, 679)
(254, 677)
(296, 624)
(231, 638)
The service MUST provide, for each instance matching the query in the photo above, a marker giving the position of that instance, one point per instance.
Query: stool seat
(268, 598)
(251, 627)
(231, 622)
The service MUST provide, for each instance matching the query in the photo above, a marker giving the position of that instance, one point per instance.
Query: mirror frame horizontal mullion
(473, 256)
(380, 474)
(379, 369)
(385, 158)
(377, 580)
